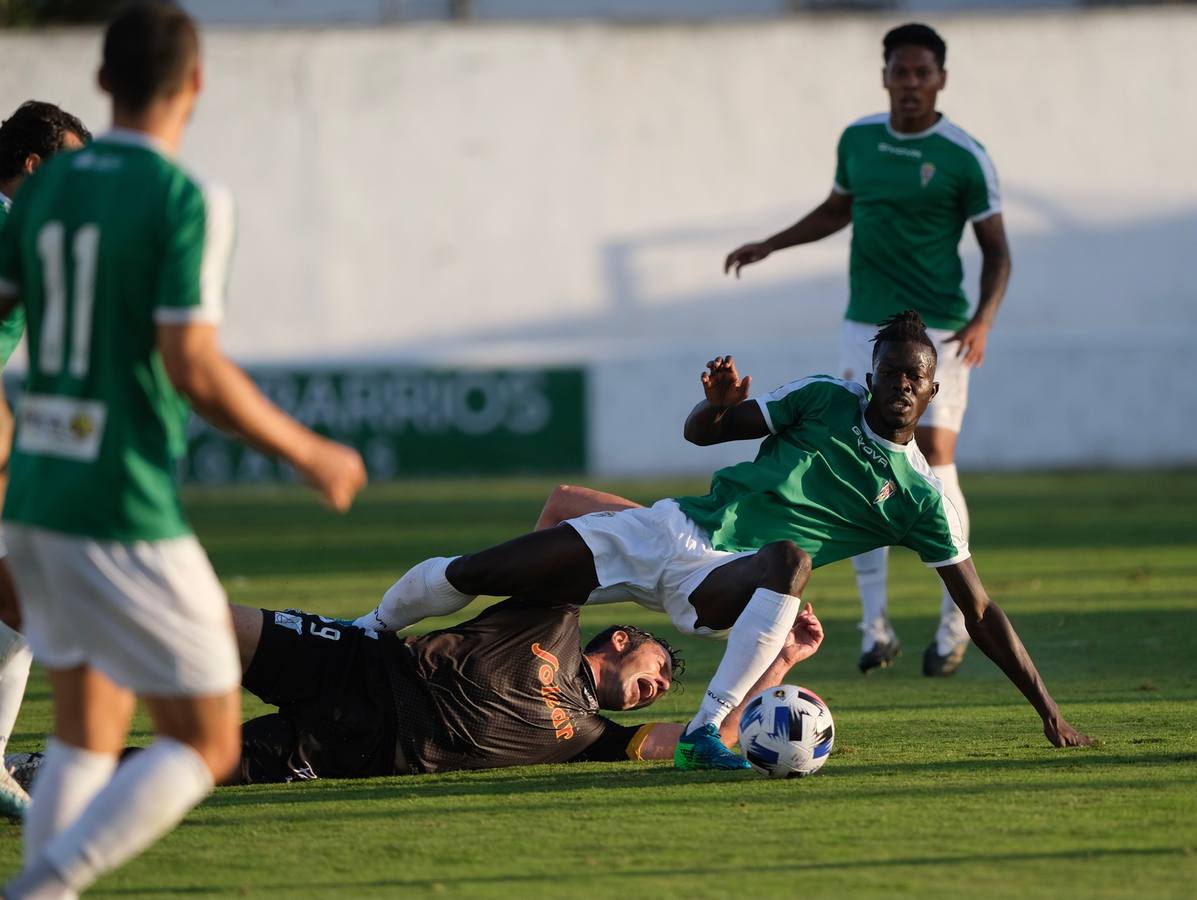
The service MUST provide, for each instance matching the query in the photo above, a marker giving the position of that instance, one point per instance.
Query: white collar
(5, 201)
(914, 136)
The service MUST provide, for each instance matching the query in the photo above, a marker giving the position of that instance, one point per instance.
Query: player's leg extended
(197, 743)
(758, 598)
(878, 643)
(555, 561)
(944, 655)
(15, 659)
(91, 720)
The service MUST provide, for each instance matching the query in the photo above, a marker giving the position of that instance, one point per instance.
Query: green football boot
(702, 749)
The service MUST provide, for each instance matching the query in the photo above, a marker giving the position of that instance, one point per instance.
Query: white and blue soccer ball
(786, 732)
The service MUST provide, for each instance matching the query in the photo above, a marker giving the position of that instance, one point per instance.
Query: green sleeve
(198, 244)
(791, 403)
(981, 193)
(937, 536)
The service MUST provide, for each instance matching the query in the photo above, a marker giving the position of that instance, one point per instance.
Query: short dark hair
(149, 50)
(637, 637)
(905, 327)
(36, 127)
(915, 34)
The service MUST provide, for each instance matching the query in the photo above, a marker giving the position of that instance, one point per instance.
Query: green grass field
(940, 788)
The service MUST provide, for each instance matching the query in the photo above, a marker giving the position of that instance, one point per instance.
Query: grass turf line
(935, 788)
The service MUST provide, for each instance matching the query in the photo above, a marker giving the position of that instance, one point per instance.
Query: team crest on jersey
(926, 173)
(886, 492)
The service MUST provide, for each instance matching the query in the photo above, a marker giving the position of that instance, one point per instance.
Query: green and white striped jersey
(911, 195)
(824, 480)
(103, 245)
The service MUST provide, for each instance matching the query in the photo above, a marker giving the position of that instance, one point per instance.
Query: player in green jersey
(908, 181)
(30, 136)
(838, 473)
(119, 258)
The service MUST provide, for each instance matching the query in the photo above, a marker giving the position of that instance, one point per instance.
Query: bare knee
(787, 567)
(557, 507)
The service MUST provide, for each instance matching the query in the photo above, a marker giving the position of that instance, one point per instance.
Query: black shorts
(336, 716)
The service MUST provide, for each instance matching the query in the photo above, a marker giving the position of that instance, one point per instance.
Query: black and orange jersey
(509, 687)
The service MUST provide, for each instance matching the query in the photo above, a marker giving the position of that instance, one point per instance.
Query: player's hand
(1061, 734)
(722, 384)
(336, 472)
(971, 338)
(804, 638)
(746, 256)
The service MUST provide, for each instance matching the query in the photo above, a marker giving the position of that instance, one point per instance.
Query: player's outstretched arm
(726, 413)
(992, 632)
(225, 396)
(804, 639)
(824, 220)
(568, 501)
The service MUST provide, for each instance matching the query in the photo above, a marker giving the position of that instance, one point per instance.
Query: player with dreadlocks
(838, 473)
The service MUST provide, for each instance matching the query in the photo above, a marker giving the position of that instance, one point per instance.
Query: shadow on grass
(634, 776)
(552, 879)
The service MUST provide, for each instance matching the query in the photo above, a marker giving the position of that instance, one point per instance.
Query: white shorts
(947, 409)
(150, 615)
(656, 557)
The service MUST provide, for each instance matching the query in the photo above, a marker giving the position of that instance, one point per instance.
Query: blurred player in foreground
(119, 258)
(908, 181)
(837, 474)
(29, 137)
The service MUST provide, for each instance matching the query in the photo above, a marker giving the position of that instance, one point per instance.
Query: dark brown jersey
(509, 687)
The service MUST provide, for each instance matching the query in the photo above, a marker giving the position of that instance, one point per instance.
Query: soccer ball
(786, 732)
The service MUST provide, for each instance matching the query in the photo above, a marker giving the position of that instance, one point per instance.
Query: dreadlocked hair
(905, 327)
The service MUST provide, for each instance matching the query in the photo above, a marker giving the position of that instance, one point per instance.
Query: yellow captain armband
(638, 740)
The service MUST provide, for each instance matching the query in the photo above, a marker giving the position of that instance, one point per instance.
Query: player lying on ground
(837, 474)
(511, 687)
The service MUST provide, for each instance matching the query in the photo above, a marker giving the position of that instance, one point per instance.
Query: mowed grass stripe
(935, 789)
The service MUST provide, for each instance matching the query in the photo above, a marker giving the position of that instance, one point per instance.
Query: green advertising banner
(408, 422)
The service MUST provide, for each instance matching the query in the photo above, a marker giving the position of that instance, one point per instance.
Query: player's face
(913, 79)
(644, 674)
(902, 383)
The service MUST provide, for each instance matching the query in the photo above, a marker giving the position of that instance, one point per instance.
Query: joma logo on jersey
(550, 692)
(869, 451)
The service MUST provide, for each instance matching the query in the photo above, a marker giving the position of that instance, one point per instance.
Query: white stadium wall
(531, 195)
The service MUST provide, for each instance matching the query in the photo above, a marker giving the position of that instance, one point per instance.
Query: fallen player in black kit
(511, 687)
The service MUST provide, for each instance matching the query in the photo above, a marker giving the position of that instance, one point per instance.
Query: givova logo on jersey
(868, 449)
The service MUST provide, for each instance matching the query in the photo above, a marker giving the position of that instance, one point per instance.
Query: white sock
(422, 592)
(872, 571)
(753, 644)
(15, 659)
(146, 798)
(951, 632)
(67, 781)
